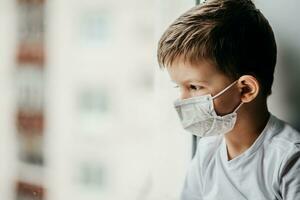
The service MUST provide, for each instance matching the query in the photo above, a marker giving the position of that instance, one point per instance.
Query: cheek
(226, 103)
(185, 93)
(200, 92)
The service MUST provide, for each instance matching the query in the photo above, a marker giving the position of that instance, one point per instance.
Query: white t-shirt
(269, 169)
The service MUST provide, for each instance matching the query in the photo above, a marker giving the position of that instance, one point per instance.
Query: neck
(251, 120)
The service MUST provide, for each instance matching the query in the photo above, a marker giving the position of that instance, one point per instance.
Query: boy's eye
(195, 87)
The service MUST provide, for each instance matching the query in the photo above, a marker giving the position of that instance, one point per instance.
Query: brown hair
(233, 34)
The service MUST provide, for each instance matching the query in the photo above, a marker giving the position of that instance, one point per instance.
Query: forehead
(181, 71)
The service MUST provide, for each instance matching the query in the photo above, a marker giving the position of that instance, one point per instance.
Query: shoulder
(284, 137)
(285, 143)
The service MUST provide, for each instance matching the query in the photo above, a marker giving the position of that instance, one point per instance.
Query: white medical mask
(198, 116)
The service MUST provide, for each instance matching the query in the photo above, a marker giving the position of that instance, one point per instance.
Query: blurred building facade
(83, 106)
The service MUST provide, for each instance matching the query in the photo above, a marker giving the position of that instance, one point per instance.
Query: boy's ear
(249, 88)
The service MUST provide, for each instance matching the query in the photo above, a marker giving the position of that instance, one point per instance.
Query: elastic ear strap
(238, 107)
(224, 90)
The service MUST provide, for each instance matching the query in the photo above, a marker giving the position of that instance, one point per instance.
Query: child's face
(204, 78)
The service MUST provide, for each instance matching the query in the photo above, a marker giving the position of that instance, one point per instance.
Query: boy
(222, 54)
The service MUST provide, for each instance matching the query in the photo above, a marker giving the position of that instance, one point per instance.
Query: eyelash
(191, 87)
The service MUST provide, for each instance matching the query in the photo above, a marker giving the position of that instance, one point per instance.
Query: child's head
(220, 41)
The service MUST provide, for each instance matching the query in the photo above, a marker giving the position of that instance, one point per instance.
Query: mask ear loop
(238, 107)
(224, 90)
